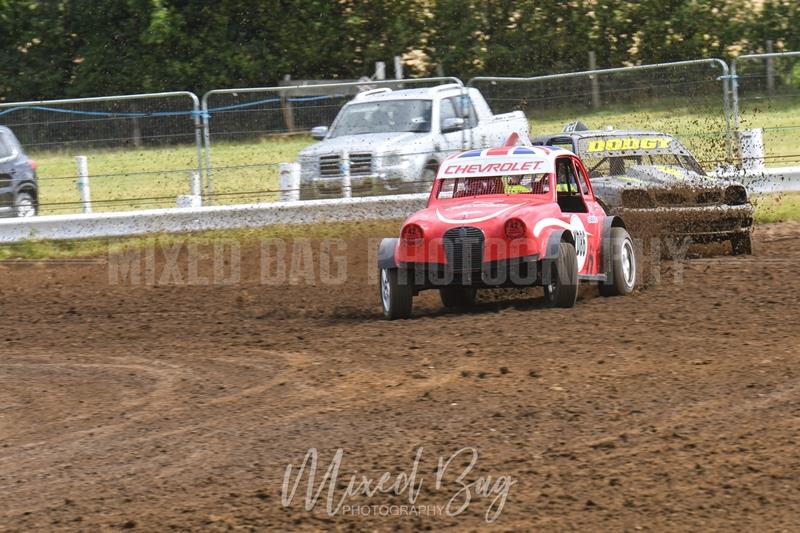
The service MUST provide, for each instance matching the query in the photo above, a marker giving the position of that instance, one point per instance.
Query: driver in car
(514, 185)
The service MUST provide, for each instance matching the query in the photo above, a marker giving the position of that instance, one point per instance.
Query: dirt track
(179, 407)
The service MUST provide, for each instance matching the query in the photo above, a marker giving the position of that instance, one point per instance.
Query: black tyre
(25, 205)
(560, 278)
(622, 277)
(426, 180)
(396, 297)
(457, 296)
(742, 245)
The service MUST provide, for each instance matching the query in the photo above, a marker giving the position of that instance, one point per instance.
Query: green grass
(70, 249)
(155, 176)
(777, 207)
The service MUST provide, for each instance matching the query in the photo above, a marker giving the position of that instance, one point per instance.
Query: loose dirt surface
(172, 406)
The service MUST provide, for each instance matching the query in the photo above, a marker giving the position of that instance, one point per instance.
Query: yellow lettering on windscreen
(628, 143)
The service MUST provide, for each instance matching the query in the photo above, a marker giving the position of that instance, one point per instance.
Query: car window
(466, 110)
(581, 180)
(619, 165)
(6, 147)
(447, 110)
(535, 184)
(565, 176)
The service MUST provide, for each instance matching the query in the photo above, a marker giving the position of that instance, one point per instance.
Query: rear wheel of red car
(622, 277)
(396, 294)
(742, 245)
(561, 285)
(457, 296)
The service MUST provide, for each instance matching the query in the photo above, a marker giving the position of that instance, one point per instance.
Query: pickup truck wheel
(742, 245)
(622, 277)
(457, 296)
(396, 297)
(426, 180)
(26, 205)
(561, 286)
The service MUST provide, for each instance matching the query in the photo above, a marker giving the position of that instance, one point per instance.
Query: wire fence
(687, 99)
(142, 149)
(267, 126)
(768, 97)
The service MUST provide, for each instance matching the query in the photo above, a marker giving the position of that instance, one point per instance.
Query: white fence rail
(177, 220)
(181, 220)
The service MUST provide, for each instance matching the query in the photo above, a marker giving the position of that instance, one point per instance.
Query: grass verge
(244, 172)
(769, 208)
(71, 249)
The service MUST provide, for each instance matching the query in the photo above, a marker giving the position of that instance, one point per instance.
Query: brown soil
(173, 406)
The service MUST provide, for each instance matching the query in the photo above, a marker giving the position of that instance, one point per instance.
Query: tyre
(622, 277)
(426, 180)
(457, 296)
(742, 245)
(307, 192)
(561, 285)
(396, 297)
(25, 205)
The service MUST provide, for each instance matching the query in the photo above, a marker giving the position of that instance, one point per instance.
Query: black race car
(653, 181)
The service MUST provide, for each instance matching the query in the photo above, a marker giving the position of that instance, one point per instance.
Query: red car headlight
(514, 229)
(412, 235)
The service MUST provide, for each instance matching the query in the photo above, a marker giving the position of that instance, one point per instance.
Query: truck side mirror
(452, 124)
(319, 132)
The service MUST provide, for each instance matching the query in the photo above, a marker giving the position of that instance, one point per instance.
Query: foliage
(58, 48)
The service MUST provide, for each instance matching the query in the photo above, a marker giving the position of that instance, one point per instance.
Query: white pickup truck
(387, 141)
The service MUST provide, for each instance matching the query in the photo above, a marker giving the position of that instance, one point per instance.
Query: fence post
(83, 183)
(286, 107)
(207, 144)
(595, 84)
(289, 182)
(770, 71)
(380, 70)
(137, 133)
(398, 68)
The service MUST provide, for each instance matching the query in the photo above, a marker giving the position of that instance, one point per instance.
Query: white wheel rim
(386, 289)
(628, 263)
(25, 208)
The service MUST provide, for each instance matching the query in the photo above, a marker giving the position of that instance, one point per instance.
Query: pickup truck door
(454, 126)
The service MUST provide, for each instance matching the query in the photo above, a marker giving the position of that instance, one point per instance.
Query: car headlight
(735, 195)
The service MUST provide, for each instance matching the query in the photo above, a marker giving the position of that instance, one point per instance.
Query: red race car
(514, 216)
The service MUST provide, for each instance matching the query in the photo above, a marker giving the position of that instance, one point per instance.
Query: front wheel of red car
(622, 277)
(396, 294)
(560, 277)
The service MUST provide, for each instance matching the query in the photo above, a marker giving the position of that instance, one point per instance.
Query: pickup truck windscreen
(384, 117)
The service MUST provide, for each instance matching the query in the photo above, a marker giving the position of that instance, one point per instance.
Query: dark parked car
(19, 191)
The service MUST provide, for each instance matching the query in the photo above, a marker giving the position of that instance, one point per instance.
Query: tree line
(75, 48)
